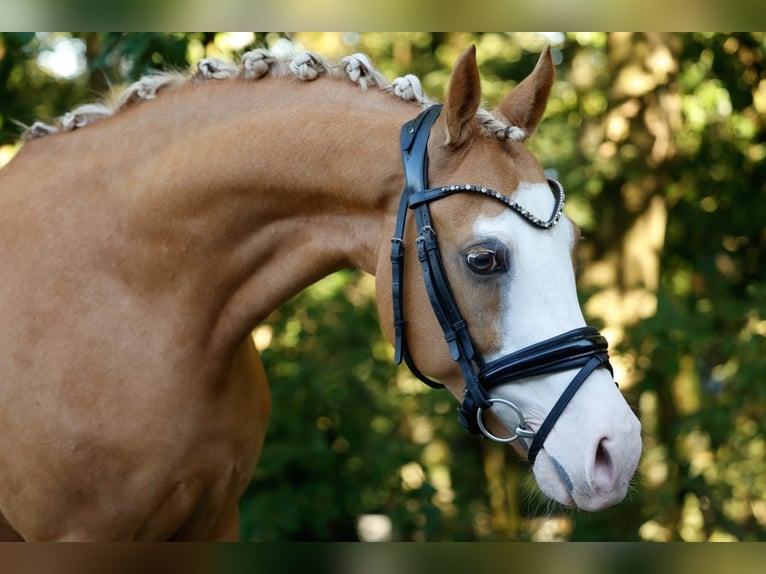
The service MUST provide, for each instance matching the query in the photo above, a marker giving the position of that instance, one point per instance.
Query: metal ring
(521, 430)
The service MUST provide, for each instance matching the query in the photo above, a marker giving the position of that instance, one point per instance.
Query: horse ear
(525, 105)
(463, 97)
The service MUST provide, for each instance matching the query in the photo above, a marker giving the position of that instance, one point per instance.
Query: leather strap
(553, 416)
(571, 350)
(455, 329)
(561, 353)
(414, 141)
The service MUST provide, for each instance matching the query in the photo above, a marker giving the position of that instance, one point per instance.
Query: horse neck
(262, 188)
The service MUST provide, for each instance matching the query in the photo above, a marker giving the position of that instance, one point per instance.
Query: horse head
(486, 260)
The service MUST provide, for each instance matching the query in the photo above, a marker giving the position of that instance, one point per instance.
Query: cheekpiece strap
(414, 148)
(414, 142)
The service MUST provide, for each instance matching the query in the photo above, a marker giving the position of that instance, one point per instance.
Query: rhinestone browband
(428, 195)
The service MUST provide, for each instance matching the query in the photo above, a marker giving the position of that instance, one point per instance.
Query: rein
(582, 348)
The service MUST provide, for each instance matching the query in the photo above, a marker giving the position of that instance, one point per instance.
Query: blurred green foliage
(660, 142)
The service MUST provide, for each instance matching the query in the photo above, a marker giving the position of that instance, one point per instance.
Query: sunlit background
(659, 140)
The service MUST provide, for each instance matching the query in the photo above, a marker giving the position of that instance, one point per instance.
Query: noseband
(582, 348)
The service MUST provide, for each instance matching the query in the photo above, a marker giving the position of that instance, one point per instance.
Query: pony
(145, 237)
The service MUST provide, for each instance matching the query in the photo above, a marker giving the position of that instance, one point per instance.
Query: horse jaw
(590, 456)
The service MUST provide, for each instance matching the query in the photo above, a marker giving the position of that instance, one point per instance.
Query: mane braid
(256, 64)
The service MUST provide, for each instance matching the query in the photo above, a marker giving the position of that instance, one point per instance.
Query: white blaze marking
(539, 301)
(539, 298)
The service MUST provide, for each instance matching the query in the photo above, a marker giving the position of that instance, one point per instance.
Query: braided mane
(254, 65)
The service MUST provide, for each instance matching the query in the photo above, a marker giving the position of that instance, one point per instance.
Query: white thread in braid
(409, 88)
(214, 69)
(515, 133)
(360, 70)
(256, 63)
(500, 130)
(307, 66)
(147, 88)
(84, 115)
(38, 130)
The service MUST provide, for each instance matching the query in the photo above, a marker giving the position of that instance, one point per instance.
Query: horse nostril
(602, 455)
(603, 469)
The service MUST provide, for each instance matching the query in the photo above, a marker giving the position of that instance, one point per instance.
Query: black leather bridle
(582, 348)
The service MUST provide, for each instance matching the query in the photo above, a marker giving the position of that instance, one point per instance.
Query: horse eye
(484, 261)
